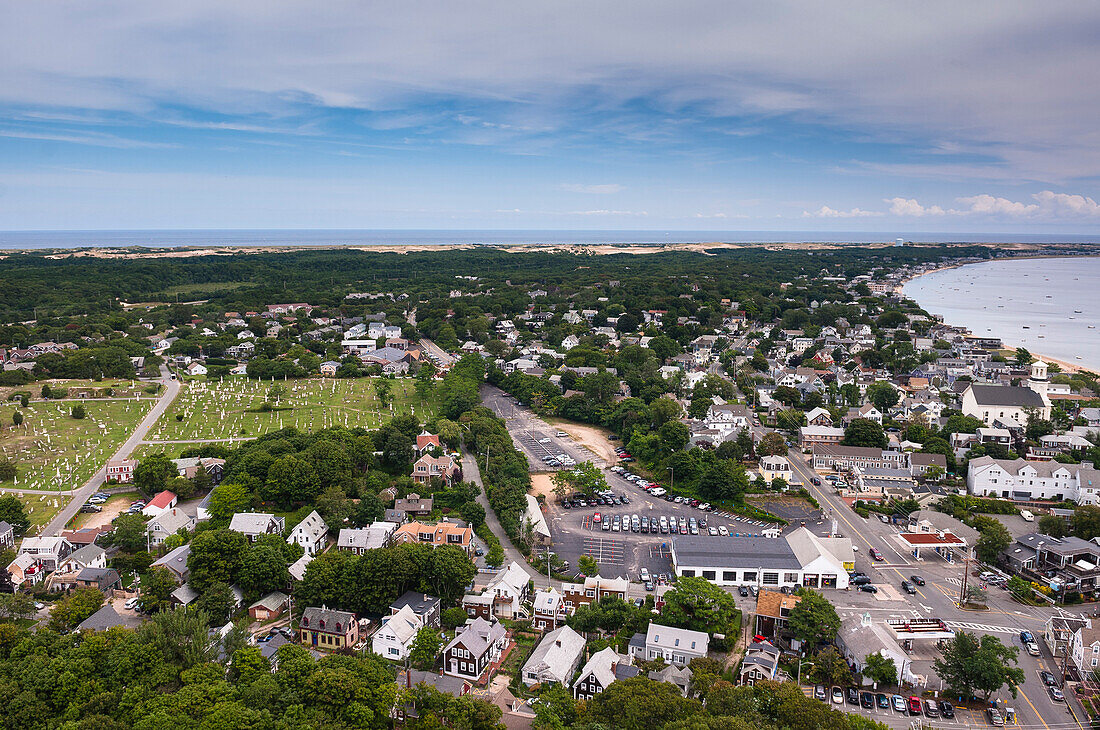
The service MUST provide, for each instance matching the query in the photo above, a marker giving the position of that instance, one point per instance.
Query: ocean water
(165, 238)
(1048, 305)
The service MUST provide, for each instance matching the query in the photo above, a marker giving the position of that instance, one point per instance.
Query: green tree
(1053, 525)
(217, 601)
(130, 534)
(587, 565)
(994, 539)
(16, 606)
(74, 608)
(640, 703)
(216, 557)
(453, 617)
(228, 499)
(880, 669)
(813, 620)
(1023, 358)
(970, 665)
(78, 411)
(153, 472)
(447, 573)
(697, 604)
(425, 648)
(263, 569)
(8, 469)
(662, 410)
(723, 479)
(830, 667)
(584, 478)
(883, 396)
(865, 432)
(17, 418)
(674, 435)
(157, 585)
(473, 513)
(772, 444)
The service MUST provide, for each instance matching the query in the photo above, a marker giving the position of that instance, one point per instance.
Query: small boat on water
(1077, 311)
(1026, 327)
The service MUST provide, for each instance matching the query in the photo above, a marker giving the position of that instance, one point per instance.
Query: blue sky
(977, 116)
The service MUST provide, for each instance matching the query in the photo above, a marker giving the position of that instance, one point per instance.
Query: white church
(1007, 404)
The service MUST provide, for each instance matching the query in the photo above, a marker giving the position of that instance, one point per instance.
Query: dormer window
(321, 623)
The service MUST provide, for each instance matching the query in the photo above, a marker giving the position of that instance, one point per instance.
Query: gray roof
(420, 603)
(185, 594)
(445, 683)
(1059, 545)
(312, 617)
(252, 523)
(272, 601)
(84, 555)
(557, 654)
(1004, 395)
(176, 561)
(103, 619)
(735, 552)
(271, 647)
(478, 635)
(98, 575)
(4, 527)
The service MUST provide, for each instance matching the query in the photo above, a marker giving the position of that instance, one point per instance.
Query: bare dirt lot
(112, 508)
(542, 484)
(592, 438)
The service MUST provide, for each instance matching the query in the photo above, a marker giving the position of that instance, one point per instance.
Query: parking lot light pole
(801, 661)
(672, 477)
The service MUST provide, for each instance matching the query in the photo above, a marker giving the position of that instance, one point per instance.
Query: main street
(81, 495)
(938, 598)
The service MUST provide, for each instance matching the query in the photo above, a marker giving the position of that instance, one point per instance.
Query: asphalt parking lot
(625, 553)
(794, 510)
(964, 717)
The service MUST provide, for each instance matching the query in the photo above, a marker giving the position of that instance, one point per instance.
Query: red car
(915, 707)
(597, 517)
(876, 554)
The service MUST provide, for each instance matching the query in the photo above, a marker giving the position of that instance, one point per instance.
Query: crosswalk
(954, 581)
(987, 628)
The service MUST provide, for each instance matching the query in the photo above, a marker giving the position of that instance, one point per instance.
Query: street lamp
(798, 679)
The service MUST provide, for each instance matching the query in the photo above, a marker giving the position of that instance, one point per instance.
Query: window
(709, 574)
(729, 575)
(687, 573)
(771, 579)
(750, 576)
(790, 577)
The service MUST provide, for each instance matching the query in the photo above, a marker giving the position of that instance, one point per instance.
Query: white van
(1028, 517)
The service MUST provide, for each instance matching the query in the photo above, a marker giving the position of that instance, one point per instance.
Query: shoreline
(1066, 366)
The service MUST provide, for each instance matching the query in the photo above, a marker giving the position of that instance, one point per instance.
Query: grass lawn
(42, 508)
(208, 410)
(53, 450)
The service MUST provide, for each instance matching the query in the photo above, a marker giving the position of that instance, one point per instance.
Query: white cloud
(711, 215)
(910, 207)
(827, 212)
(605, 189)
(609, 212)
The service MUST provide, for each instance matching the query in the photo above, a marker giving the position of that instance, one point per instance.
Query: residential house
(49, 551)
(162, 501)
(89, 556)
(254, 524)
(311, 533)
(167, 523)
(867, 412)
(189, 467)
(26, 569)
(7, 536)
(503, 596)
(425, 442)
(121, 470)
(860, 637)
(106, 580)
(441, 533)
(761, 662)
(1069, 561)
(102, 620)
(270, 606)
(329, 368)
(1085, 649)
(474, 648)
(176, 563)
(548, 609)
(673, 645)
(360, 540)
(819, 417)
(328, 629)
(778, 467)
(443, 467)
(679, 677)
(427, 608)
(592, 590)
(812, 436)
(773, 610)
(394, 638)
(600, 671)
(412, 504)
(555, 659)
(1059, 632)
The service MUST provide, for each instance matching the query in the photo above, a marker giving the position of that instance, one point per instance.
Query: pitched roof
(313, 616)
(478, 635)
(250, 523)
(272, 601)
(1005, 395)
(769, 603)
(176, 561)
(162, 500)
(600, 665)
(404, 624)
(103, 619)
(557, 653)
(671, 637)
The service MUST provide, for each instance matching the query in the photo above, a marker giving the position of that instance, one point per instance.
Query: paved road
(1004, 618)
(171, 390)
(436, 352)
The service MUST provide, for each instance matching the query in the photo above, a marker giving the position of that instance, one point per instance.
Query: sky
(856, 116)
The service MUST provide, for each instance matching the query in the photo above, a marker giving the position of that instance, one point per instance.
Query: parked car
(133, 603)
(867, 700)
(899, 703)
(1048, 678)
(742, 591)
(1056, 694)
(916, 707)
(1032, 648)
(853, 696)
(883, 701)
(917, 580)
(947, 709)
(819, 693)
(995, 717)
(931, 709)
(597, 517)
(815, 481)
(860, 580)
(838, 696)
(868, 588)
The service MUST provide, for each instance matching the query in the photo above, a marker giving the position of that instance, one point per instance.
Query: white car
(1032, 648)
(723, 531)
(645, 574)
(133, 603)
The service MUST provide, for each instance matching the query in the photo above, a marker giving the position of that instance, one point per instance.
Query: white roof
(250, 523)
(403, 624)
(557, 654)
(670, 637)
(537, 518)
(599, 666)
(313, 524)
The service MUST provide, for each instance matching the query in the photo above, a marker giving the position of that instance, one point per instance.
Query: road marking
(1021, 691)
(982, 627)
